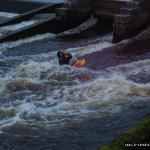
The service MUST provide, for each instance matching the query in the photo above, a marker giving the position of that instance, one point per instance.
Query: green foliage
(137, 135)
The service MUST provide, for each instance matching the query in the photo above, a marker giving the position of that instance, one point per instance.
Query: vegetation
(133, 138)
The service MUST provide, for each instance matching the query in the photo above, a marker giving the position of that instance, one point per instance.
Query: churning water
(46, 106)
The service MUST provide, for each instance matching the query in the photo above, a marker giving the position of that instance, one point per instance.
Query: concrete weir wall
(129, 16)
(51, 21)
(43, 26)
(44, 9)
(132, 20)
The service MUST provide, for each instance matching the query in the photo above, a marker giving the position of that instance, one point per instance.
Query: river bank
(136, 137)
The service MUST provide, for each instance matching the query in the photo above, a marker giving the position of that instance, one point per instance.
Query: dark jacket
(64, 58)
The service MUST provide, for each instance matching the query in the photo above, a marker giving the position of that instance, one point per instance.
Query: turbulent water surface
(45, 106)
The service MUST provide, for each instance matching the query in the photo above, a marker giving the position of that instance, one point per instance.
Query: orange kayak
(79, 63)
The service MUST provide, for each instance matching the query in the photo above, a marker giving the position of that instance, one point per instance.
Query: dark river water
(44, 106)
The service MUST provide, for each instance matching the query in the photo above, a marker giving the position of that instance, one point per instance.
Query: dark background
(18, 6)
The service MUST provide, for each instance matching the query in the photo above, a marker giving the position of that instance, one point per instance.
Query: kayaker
(64, 57)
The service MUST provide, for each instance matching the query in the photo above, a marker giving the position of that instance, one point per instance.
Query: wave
(65, 96)
(80, 51)
(38, 37)
(18, 26)
(8, 15)
(40, 93)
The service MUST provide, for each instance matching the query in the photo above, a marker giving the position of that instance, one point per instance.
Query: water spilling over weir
(45, 106)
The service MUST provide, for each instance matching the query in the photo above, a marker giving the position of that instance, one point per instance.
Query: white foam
(32, 70)
(8, 15)
(19, 25)
(104, 90)
(105, 42)
(132, 68)
(95, 98)
(66, 95)
(38, 37)
(80, 51)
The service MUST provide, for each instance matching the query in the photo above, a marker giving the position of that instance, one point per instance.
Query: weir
(128, 17)
(26, 16)
(47, 23)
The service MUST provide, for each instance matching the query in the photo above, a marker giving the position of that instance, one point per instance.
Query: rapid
(45, 106)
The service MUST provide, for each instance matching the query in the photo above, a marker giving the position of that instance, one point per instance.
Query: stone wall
(129, 18)
(132, 21)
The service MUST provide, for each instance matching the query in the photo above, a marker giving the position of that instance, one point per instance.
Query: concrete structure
(26, 16)
(37, 28)
(53, 24)
(132, 20)
(129, 16)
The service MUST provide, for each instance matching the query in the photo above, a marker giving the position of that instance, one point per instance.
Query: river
(44, 106)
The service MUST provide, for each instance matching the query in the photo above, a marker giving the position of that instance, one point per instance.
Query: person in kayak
(64, 57)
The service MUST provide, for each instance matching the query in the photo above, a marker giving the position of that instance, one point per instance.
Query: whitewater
(39, 98)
